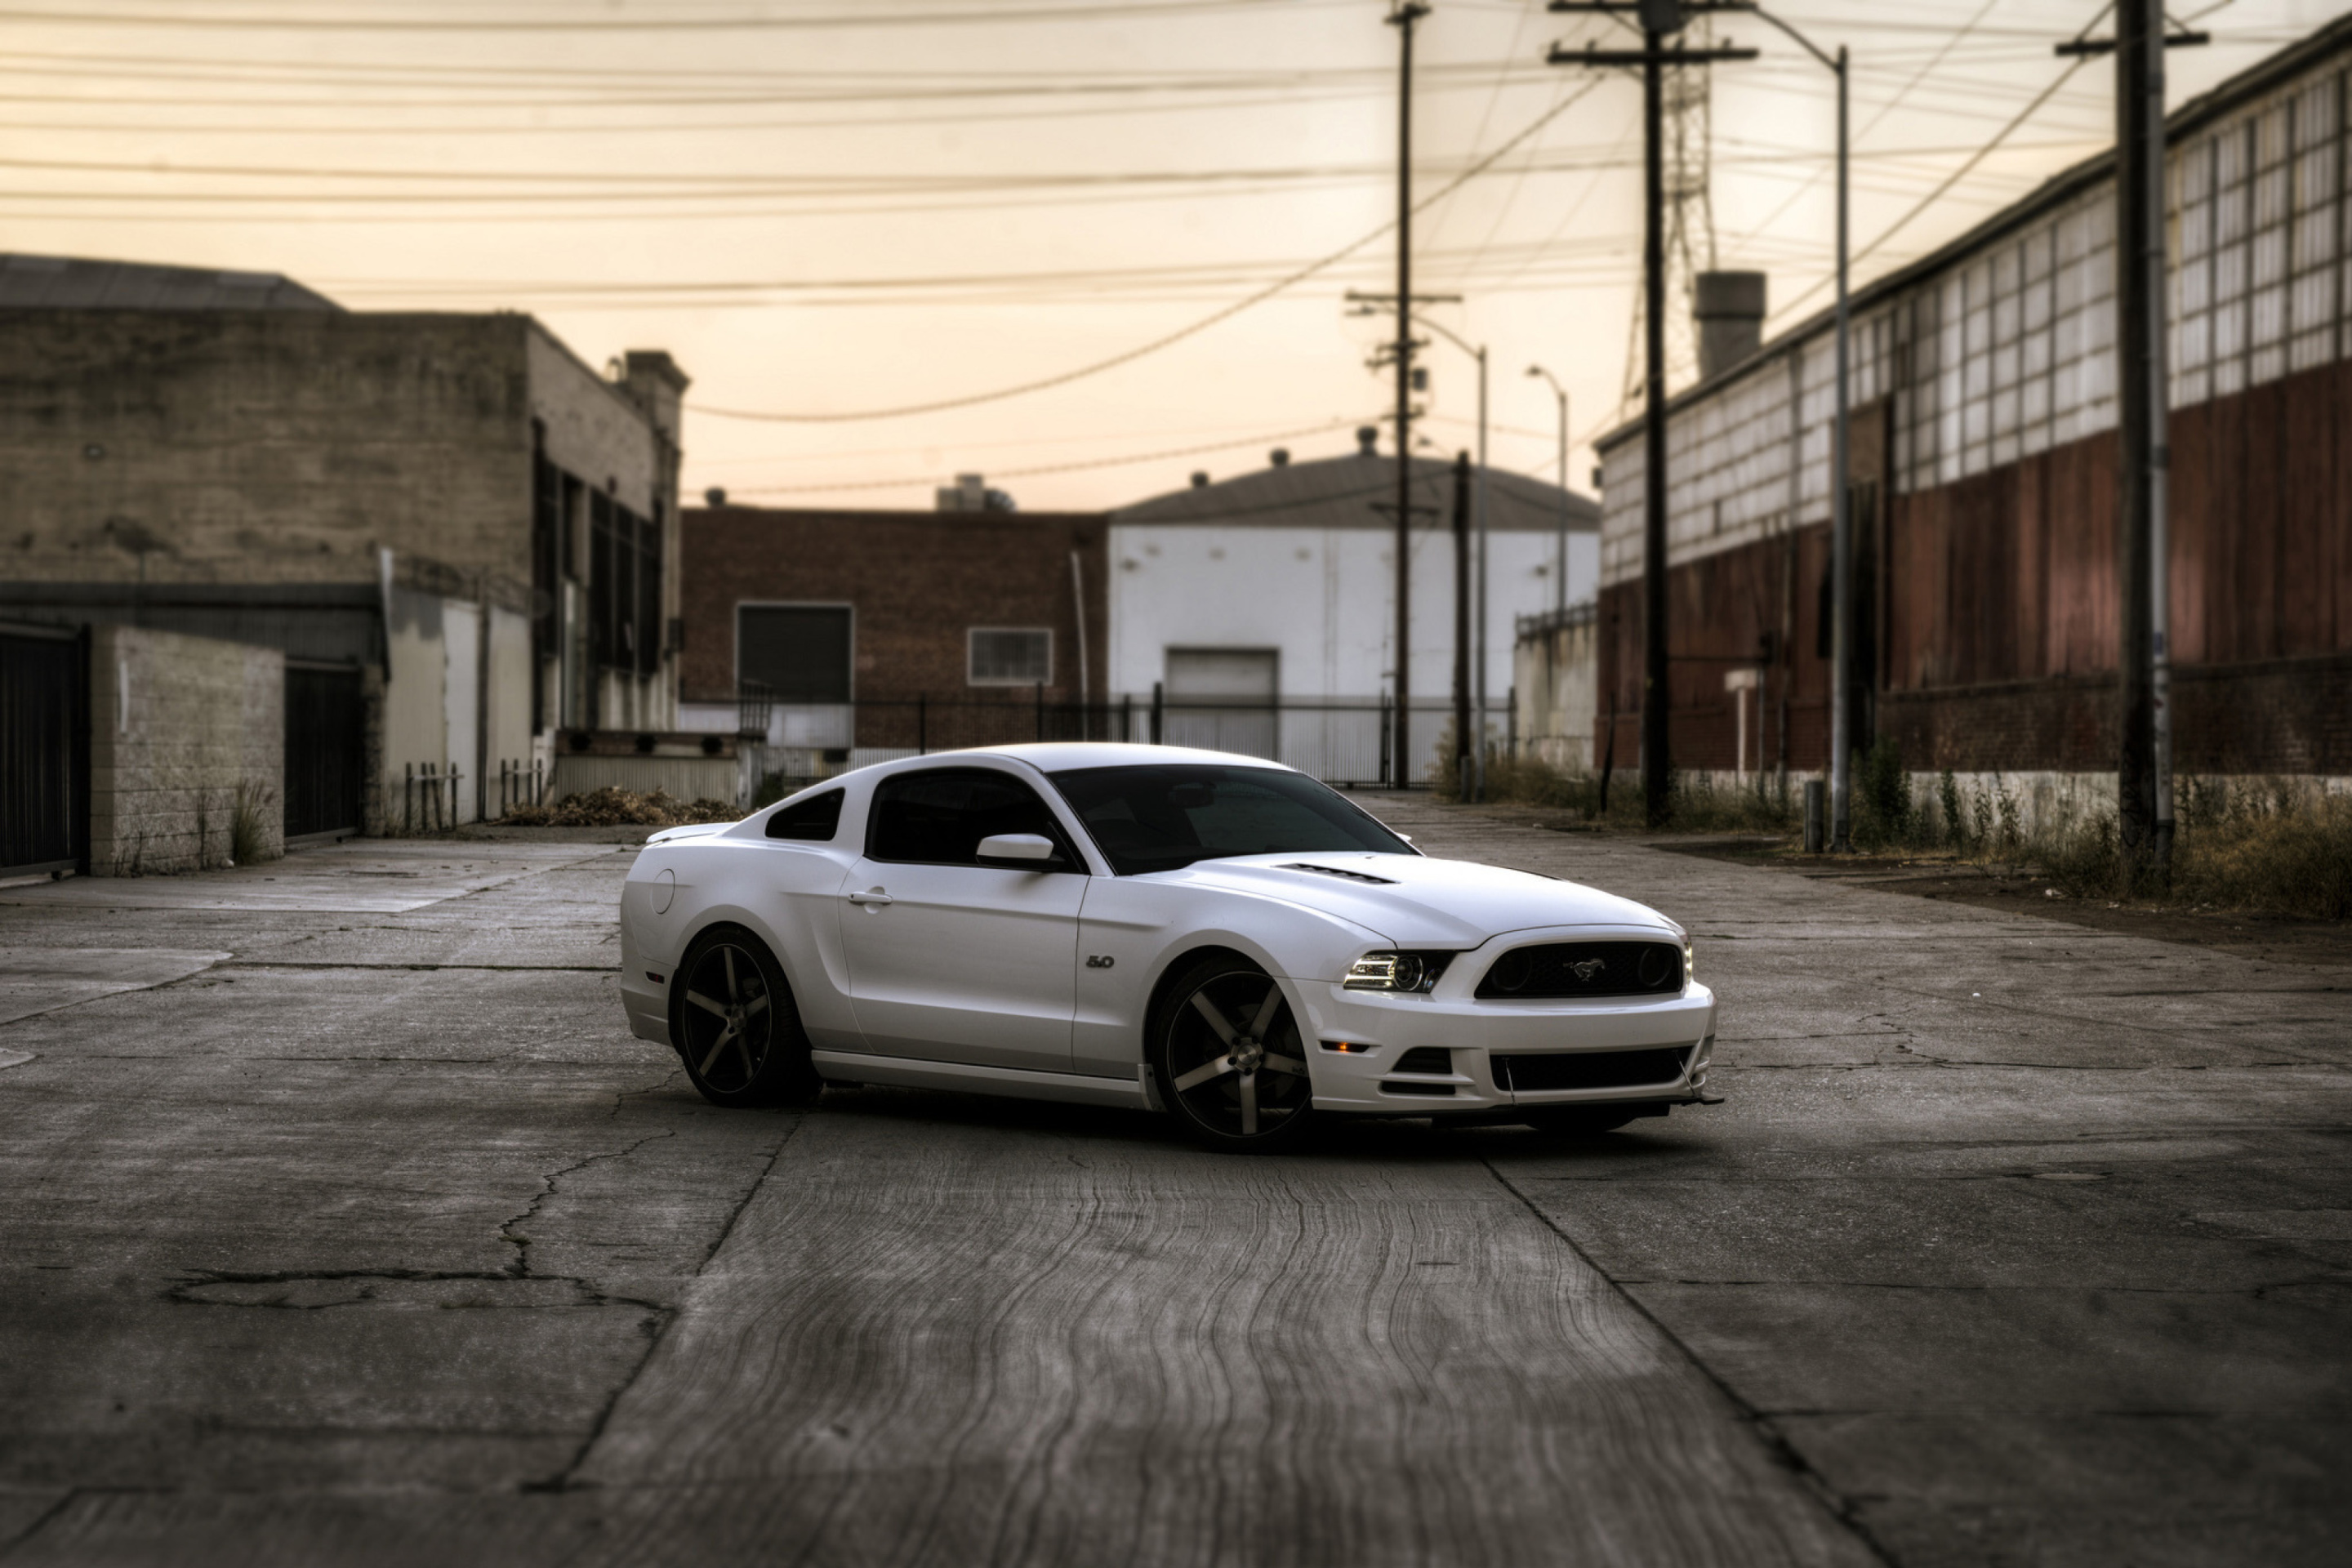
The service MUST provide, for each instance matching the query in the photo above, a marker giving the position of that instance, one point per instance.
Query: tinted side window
(816, 820)
(939, 818)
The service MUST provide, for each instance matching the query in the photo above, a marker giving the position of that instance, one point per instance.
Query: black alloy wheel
(732, 1017)
(1229, 1060)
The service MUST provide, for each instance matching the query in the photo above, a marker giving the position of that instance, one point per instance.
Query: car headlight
(1396, 971)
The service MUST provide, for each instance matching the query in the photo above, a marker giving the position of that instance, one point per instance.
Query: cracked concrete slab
(36, 980)
(380, 1241)
(2022, 1236)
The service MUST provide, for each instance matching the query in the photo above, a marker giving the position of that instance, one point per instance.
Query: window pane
(939, 817)
(814, 820)
(800, 652)
(1159, 818)
(1022, 656)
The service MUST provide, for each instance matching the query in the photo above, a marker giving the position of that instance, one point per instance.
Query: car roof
(1060, 756)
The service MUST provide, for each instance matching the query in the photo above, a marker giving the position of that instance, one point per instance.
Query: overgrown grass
(2266, 847)
(248, 832)
(1699, 805)
(2262, 850)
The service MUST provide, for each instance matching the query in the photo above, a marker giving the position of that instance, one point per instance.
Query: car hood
(1420, 901)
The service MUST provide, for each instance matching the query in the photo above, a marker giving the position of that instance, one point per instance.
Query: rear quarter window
(812, 821)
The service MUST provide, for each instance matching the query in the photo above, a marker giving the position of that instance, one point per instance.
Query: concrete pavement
(351, 1226)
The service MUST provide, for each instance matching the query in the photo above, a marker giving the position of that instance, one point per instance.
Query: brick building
(1983, 480)
(870, 632)
(458, 536)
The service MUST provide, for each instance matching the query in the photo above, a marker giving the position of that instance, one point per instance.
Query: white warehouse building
(1262, 609)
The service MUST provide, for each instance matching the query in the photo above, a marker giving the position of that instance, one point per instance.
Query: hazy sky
(831, 206)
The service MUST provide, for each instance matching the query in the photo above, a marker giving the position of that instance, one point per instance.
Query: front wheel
(732, 1017)
(1227, 1054)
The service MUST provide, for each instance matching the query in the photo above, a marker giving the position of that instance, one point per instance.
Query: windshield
(1159, 818)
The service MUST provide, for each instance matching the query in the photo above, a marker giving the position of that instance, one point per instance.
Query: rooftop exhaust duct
(1730, 309)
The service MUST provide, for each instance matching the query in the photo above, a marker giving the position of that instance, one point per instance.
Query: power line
(1204, 324)
(1072, 467)
(1127, 10)
(1950, 180)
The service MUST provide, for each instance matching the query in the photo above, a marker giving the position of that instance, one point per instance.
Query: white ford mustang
(1217, 936)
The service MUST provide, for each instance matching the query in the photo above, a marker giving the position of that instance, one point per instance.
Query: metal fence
(1342, 743)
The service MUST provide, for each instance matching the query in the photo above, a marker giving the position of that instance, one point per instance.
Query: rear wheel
(1229, 1060)
(731, 1014)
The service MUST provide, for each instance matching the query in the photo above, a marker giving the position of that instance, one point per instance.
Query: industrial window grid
(2009, 351)
(1009, 655)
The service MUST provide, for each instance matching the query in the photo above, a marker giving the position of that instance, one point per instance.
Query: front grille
(1586, 969)
(1532, 1073)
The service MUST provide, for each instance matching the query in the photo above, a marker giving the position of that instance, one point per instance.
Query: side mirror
(1018, 851)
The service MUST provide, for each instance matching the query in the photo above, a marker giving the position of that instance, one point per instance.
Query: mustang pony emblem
(1589, 969)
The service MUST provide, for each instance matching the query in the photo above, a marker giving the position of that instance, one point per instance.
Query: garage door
(1223, 699)
(325, 749)
(44, 751)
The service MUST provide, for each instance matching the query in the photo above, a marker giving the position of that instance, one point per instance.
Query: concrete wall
(182, 729)
(1553, 672)
(261, 446)
(687, 778)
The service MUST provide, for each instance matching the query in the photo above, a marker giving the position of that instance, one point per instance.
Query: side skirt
(906, 1072)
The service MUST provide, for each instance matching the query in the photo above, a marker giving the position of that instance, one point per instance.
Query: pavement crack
(658, 1323)
(39, 1522)
(520, 1268)
(1842, 1508)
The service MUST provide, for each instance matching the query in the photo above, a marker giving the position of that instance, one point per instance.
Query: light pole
(1478, 780)
(1841, 505)
(1560, 562)
(1366, 305)
(1560, 590)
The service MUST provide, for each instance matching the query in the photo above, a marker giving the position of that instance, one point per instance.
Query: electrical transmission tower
(1687, 133)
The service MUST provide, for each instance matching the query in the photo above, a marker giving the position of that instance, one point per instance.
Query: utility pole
(1407, 13)
(1659, 18)
(2144, 766)
(1463, 746)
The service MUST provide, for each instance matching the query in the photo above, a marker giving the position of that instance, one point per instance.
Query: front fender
(1148, 929)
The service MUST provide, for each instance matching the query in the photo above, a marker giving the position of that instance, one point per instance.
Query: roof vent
(1368, 440)
(715, 496)
(1200, 479)
(1279, 457)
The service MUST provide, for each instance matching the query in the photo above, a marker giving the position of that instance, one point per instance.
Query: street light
(1840, 506)
(1478, 780)
(1559, 600)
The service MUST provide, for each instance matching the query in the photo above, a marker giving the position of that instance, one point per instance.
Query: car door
(950, 959)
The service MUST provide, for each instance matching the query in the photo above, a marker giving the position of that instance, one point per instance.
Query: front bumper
(1381, 1030)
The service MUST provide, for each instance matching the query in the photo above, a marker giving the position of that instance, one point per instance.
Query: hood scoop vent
(1364, 877)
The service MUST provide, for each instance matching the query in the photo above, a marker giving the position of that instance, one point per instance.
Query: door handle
(877, 897)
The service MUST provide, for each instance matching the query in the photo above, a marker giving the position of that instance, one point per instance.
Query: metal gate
(43, 749)
(325, 749)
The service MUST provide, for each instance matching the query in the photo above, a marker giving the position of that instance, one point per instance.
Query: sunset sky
(840, 206)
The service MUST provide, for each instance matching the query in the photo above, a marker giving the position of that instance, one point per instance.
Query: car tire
(1230, 1063)
(1579, 1121)
(736, 1029)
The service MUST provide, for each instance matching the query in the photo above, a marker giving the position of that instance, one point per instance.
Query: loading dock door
(1223, 699)
(44, 751)
(325, 749)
